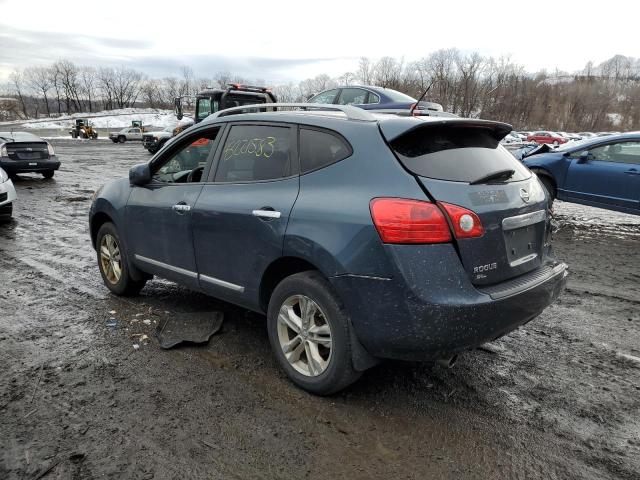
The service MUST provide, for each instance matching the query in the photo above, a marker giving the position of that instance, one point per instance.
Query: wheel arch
(542, 172)
(277, 271)
(99, 219)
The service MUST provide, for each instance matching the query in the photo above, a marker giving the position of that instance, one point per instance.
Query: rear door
(158, 220)
(454, 163)
(241, 216)
(609, 176)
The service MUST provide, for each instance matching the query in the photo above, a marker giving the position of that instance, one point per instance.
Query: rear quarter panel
(331, 225)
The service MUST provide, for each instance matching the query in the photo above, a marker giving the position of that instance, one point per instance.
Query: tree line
(602, 97)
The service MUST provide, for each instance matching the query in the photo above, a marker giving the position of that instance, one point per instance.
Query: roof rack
(352, 113)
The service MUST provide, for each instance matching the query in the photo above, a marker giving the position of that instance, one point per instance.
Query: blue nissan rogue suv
(361, 236)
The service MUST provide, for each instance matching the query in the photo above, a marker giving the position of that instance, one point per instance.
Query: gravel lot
(556, 399)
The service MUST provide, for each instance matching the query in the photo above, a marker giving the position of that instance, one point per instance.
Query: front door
(609, 176)
(159, 215)
(240, 218)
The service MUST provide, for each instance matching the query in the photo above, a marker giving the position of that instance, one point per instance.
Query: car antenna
(421, 97)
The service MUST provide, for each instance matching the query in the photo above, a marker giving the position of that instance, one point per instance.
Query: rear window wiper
(7, 139)
(503, 175)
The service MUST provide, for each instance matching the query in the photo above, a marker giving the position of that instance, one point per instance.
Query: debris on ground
(188, 327)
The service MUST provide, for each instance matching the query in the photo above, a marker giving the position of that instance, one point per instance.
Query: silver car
(129, 133)
(7, 196)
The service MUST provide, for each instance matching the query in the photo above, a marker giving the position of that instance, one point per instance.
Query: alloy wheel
(110, 258)
(304, 334)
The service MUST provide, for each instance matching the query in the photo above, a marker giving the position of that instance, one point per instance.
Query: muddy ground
(557, 399)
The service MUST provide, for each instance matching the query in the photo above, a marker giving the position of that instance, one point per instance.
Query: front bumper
(26, 166)
(431, 310)
(7, 197)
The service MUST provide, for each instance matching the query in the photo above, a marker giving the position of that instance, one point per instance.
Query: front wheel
(112, 261)
(122, 139)
(309, 333)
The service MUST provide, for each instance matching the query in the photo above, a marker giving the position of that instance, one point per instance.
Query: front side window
(352, 96)
(319, 149)
(254, 153)
(624, 152)
(325, 97)
(189, 157)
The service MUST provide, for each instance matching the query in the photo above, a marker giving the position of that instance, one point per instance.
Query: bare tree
(40, 82)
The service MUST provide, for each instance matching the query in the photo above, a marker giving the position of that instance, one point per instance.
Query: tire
(74, 134)
(338, 372)
(122, 139)
(548, 186)
(94, 135)
(83, 134)
(48, 173)
(123, 285)
(152, 150)
(114, 140)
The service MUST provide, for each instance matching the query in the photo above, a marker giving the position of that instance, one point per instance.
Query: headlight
(50, 148)
(3, 176)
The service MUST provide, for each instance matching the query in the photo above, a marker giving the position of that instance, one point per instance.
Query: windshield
(396, 96)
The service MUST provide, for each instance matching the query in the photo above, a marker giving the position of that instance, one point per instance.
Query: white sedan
(7, 196)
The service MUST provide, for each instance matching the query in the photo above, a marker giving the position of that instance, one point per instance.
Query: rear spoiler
(394, 128)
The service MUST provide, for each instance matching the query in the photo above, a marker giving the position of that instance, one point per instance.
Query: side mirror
(140, 174)
(585, 157)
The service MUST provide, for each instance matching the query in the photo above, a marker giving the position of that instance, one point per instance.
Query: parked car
(570, 136)
(383, 100)
(360, 236)
(586, 135)
(22, 152)
(602, 172)
(511, 138)
(154, 141)
(126, 134)
(552, 138)
(7, 196)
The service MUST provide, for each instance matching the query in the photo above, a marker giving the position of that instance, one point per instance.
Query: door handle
(266, 213)
(632, 171)
(181, 207)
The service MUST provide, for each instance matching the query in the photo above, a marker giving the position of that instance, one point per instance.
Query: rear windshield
(459, 154)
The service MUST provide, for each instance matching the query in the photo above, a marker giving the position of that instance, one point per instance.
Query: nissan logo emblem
(524, 195)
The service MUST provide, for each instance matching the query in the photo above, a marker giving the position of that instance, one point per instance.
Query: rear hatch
(27, 150)
(461, 162)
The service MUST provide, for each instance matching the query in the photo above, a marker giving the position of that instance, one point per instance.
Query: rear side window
(319, 149)
(459, 154)
(255, 152)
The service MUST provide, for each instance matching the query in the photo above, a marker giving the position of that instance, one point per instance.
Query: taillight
(400, 220)
(50, 150)
(465, 223)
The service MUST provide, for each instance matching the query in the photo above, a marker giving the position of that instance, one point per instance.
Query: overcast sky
(291, 40)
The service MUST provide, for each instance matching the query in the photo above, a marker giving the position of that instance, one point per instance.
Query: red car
(546, 137)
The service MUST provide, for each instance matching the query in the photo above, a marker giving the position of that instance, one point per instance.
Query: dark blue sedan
(380, 99)
(601, 172)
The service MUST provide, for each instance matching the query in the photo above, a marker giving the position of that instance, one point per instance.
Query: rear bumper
(431, 310)
(25, 166)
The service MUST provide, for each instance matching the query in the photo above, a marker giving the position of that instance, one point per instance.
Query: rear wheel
(122, 139)
(112, 261)
(94, 135)
(48, 174)
(74, 134)
(309, 333)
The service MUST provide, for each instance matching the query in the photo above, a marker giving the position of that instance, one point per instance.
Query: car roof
(20, 137)
(392, 125)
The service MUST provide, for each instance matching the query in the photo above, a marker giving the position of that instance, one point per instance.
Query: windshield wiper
(7, 139)
(503, 175)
